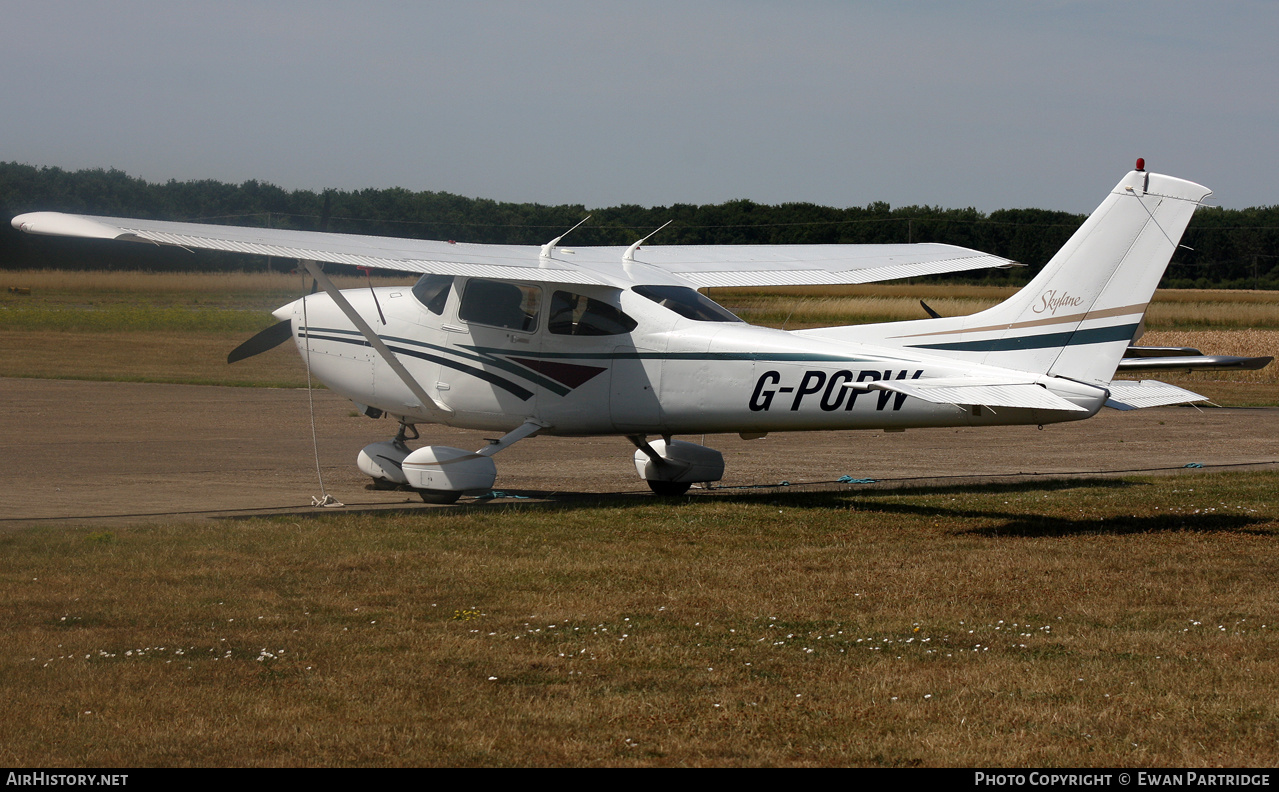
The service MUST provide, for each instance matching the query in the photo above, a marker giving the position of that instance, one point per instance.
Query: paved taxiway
(98, 452)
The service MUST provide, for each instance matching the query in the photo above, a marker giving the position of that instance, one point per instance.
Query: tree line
(1222, 248)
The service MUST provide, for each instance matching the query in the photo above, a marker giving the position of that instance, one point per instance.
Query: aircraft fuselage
(668, 375)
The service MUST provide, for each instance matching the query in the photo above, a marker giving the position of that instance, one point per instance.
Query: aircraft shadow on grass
(1010, 523)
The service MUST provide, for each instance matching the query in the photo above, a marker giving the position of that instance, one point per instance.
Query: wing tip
(66, 225)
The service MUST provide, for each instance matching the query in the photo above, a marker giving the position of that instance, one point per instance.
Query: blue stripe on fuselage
(1096, 335)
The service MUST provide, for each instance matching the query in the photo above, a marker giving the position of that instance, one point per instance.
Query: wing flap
(805, 265)
(861, 270)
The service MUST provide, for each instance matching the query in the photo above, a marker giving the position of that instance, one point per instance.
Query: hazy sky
(985, 104)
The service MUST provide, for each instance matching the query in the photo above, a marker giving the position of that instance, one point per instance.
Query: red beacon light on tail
(1141, 163)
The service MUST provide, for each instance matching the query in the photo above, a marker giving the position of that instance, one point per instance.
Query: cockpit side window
(433, 292)
(687, 303)
(508, 305)
(577, 314)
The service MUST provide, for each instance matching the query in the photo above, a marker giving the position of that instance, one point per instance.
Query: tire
(441, 497)
(668, 489)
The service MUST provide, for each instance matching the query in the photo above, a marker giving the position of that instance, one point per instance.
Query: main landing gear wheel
(442, 497)
(668, 489)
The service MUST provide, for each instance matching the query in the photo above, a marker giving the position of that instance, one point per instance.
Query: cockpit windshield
(433, 292)
(687, 303)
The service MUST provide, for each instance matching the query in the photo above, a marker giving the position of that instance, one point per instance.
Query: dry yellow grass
(1073, 623)
(1235, 296)
(811, 306)
(911, 291)
(194, 358)
(1247, 343)
(1250, 343)
(1208, 313)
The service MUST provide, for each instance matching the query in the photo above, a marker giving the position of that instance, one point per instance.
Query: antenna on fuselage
(629, 255)
(549, 246)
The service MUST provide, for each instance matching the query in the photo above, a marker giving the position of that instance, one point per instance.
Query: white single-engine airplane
(610, 340)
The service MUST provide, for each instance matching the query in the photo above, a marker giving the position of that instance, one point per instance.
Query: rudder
(1078, 315)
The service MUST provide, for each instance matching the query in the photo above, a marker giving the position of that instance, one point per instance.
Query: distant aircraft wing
(698, 266)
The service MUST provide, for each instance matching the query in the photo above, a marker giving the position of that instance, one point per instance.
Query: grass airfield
(1079, 621)
(1083, 622)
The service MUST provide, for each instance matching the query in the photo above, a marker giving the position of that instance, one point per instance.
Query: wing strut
(526, 429)
(425, 398)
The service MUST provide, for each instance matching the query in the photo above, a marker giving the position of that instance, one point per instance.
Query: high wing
(697, 266)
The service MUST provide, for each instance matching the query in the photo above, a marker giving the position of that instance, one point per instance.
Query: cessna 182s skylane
(609, 340)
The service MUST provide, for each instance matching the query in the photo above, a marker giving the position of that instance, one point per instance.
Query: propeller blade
(269, 338)
(930, 311)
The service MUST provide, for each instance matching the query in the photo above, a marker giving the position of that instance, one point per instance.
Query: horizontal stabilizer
(1149, 352)
(1026, 395)
(1126, 395)
(1194, 363)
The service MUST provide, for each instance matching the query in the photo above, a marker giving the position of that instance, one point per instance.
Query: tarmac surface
(105, 452)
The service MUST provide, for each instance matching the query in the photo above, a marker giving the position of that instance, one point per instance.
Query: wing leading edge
(698, 266)
(402, 255)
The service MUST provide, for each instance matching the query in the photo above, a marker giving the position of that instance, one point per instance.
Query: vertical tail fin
(1077, 316)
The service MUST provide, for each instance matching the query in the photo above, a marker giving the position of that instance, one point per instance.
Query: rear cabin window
(508, 305)
(577, 314)
(433, 292)
(687, 303)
